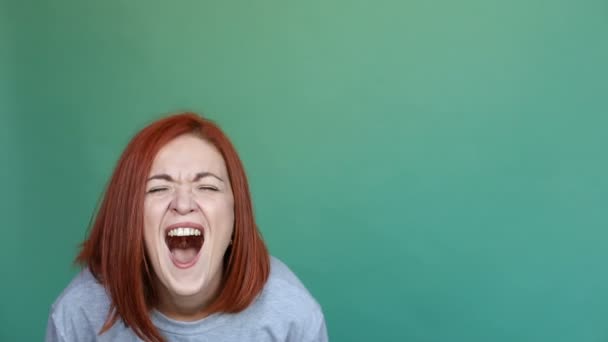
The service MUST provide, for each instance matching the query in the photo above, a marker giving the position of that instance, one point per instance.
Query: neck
(187, 308)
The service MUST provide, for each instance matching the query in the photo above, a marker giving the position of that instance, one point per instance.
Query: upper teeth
(184, 232)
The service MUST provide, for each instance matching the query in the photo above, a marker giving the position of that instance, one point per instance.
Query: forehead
(188, 154)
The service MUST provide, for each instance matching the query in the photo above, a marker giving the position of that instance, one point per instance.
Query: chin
(185, 281)
(185, 289)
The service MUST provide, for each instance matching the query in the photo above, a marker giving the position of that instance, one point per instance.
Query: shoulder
(83, 284)
(288, 304)
(81, 309)
(83, 288)
(284, 286)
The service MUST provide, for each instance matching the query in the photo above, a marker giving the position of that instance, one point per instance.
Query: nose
(183, 203)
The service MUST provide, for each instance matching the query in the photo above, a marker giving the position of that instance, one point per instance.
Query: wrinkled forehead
(187, 155)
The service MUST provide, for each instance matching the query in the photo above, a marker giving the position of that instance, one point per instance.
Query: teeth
(185, 231)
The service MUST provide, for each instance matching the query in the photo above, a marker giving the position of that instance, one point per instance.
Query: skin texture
(188, 185)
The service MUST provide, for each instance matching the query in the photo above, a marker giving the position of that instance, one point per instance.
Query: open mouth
(184, 244)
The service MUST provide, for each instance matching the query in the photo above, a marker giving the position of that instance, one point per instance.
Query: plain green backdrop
(432, 170)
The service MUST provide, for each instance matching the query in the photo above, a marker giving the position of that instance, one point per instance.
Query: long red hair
(115, 252)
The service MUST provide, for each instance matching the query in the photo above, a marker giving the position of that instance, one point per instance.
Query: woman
(174, 253)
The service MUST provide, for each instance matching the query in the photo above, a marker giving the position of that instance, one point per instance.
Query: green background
(432, 170)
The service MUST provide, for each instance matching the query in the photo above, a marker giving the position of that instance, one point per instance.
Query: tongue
(184, 255)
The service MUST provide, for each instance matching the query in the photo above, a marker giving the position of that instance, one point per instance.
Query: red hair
(115, 252)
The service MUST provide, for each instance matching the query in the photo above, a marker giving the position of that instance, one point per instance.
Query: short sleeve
(321, 335)
(52, 332)
(317, 331)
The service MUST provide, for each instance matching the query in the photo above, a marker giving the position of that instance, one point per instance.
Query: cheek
(229, 221)
(153, 212)
(152, 217)
(221, 215)
(226, 212)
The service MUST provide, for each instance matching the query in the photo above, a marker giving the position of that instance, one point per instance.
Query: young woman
(174, 253)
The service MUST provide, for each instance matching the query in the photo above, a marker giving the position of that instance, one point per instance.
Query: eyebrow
(197, 177)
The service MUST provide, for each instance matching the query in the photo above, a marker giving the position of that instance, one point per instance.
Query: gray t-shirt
(284, 311)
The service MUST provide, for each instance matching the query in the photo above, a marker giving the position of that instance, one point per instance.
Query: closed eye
(156, 190)
(207, 187)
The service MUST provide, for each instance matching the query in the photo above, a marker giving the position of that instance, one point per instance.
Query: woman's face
(188, 216)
